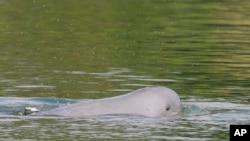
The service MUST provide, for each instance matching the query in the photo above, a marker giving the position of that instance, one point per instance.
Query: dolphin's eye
(168, 108)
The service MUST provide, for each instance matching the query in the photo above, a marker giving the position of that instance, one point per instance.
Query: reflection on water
(93, 49)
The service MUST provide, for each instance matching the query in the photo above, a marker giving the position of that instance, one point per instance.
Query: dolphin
(150, 102)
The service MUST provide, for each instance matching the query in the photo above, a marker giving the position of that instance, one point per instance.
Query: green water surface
(83, 49)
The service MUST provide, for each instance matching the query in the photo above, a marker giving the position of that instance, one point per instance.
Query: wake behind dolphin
(149, 102)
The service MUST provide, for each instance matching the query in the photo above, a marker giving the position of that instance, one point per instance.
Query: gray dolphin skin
(149, 102)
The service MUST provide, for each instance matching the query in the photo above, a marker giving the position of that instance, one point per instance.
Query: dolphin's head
(172, 102)
(163, 102)
(172, 105)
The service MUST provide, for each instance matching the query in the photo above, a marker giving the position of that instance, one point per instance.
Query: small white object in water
(30, 110)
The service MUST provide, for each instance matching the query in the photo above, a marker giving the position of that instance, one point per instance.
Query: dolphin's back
(146, 102)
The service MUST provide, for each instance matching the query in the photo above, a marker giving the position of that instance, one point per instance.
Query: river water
(55, 54)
